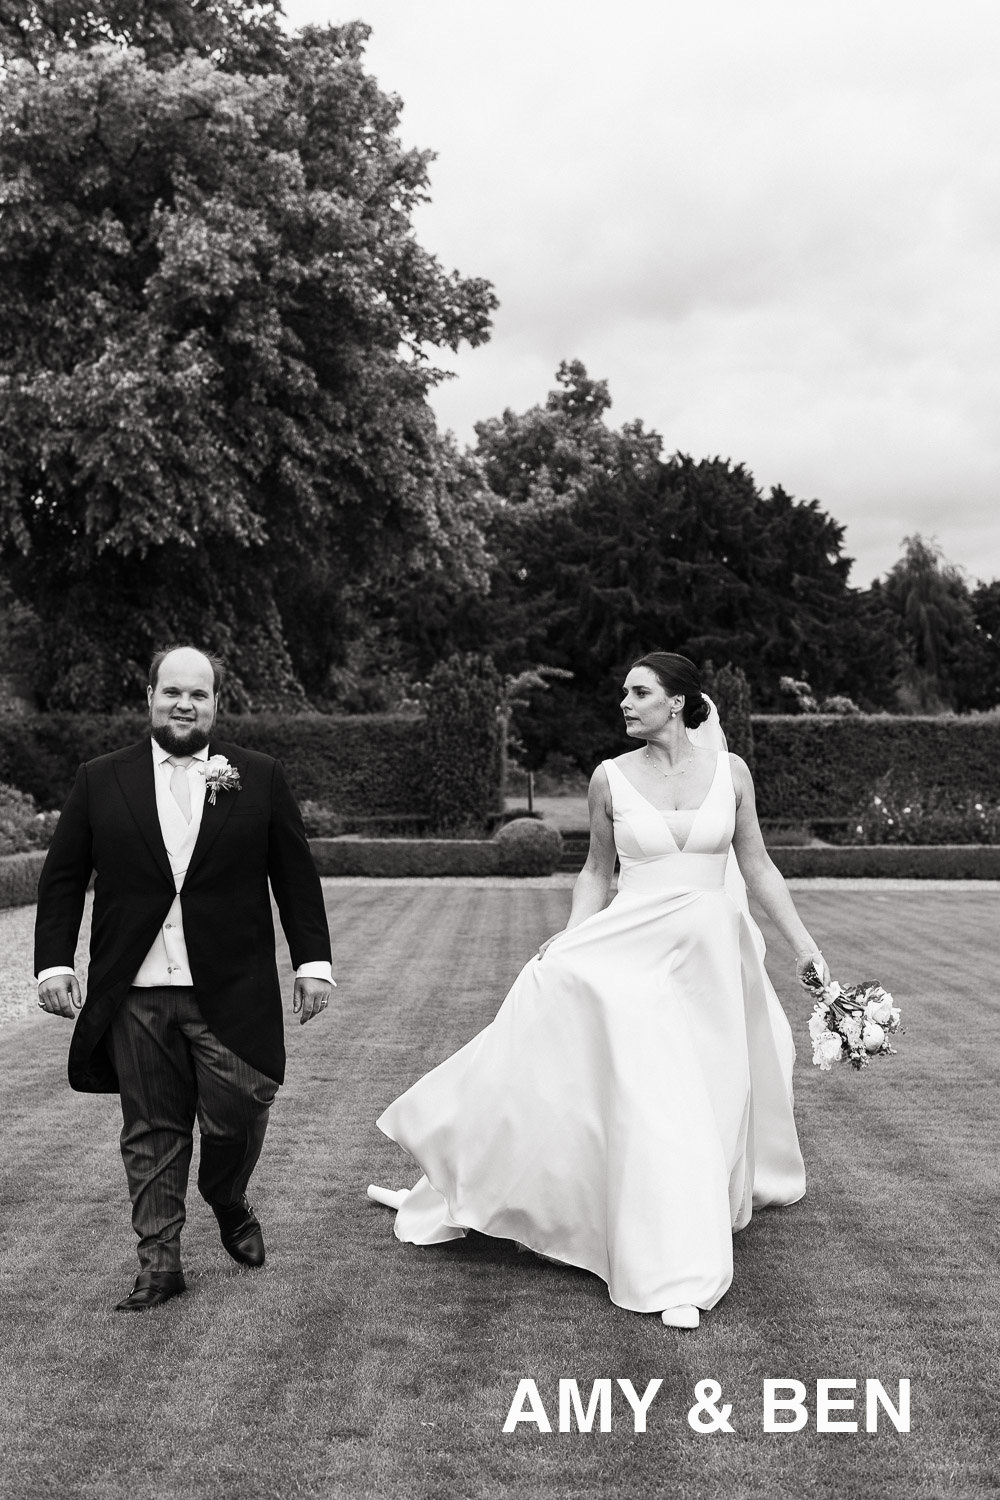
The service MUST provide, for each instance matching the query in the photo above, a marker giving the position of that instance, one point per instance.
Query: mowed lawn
(353, 1366)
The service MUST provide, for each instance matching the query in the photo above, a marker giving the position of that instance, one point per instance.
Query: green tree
(239, 36)
(215, 326)
(554, 452)
(603, 550)
(982, 685)
(937, 624)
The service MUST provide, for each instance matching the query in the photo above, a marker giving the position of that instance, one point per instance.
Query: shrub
(559, 775)
(19, 878)
(464, 743)
(798, 695)
(528, 847)
(839, 705)
(730, 691)
(321, 822)
(22, 826)
(906, 814)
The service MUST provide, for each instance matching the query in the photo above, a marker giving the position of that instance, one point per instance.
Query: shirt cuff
(51, 973)
(320, 969)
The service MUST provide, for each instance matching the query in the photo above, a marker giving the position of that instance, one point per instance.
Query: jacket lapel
(135, 777)
(214, 816)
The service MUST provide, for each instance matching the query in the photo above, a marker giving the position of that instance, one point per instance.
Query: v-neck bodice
(664, 849)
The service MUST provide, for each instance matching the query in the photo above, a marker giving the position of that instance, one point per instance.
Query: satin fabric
(631, 1102)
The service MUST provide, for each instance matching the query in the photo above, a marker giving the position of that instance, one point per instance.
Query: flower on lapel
(219, 776)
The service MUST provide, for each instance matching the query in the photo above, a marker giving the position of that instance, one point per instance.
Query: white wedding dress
(632, 1101)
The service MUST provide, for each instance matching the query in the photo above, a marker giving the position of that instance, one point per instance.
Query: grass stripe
(354, 1366)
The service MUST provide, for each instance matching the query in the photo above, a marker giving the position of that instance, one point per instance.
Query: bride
(631, 1103)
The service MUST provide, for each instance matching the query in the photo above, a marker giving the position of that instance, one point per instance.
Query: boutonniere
(220, 776)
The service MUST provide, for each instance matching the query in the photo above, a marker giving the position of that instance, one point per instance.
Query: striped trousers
(173, 1070)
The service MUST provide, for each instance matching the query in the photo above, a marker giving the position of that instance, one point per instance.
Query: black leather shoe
(241, 1233)
(152, 1289)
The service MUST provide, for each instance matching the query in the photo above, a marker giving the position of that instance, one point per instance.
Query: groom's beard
(181, 739)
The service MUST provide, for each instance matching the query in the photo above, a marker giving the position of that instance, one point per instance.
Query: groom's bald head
(188, 658)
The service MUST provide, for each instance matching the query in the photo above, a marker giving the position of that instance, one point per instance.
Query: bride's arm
(590, 893)
(764, 880)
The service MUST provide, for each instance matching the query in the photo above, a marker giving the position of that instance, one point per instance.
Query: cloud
(772, 227)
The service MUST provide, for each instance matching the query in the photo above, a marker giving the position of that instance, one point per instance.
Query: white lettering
(600, 1398)
(527, 1391)
(825, 1404)
(639, 1405)
(875, 1395)
(773, 1403)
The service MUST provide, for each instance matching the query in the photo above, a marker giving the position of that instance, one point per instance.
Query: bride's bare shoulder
(599, 790)
(627, 758)
(742, 779)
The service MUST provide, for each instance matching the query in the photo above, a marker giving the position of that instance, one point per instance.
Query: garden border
(891, 861)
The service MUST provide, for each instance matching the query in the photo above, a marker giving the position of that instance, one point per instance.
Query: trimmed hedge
(511, 851)
(19, 877)
(888, 861)
(366, 766)
(464, 743)
(398, 857)
(815, 767)
(407, 857)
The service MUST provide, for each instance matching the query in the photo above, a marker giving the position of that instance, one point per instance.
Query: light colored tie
(179, 783)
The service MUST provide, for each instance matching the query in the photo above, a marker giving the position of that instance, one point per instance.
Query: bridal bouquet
(850, 1023)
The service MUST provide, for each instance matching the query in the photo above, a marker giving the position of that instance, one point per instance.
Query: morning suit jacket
(249, 837)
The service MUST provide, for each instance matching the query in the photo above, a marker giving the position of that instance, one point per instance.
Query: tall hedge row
(374, 765)
(817, 766)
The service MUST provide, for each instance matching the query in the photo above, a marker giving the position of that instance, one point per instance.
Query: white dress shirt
(166, 963)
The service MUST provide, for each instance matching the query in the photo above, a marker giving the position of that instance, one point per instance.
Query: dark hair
(676, 674)
(218, 666)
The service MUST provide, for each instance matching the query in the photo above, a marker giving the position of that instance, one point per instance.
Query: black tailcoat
(248, 838)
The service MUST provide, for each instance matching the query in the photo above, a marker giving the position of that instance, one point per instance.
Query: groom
(183, 1010)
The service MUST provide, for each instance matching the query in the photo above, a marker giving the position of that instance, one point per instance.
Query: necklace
(680, 771)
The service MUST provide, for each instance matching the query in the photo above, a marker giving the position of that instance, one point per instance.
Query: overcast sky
(772, 225)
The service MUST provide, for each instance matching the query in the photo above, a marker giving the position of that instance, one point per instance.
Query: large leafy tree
(603, 550)
(215, 322)
(237, 34)
(527, 469)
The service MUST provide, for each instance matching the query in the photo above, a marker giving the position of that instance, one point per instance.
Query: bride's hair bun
(696, 710)
(678, 674)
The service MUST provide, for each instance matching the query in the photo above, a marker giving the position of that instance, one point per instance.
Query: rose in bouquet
(850, 1023)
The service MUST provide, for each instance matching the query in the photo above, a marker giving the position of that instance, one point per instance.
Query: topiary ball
(528, 846)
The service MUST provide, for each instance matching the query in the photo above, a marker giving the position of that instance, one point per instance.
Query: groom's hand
(309, 997)
(60, 995)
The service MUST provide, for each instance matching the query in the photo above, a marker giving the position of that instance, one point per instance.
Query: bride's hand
(547, 943)
(818, 961)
